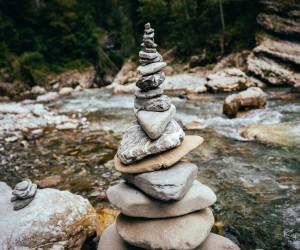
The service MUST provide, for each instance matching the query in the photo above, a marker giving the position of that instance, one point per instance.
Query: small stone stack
(162, 205)
(23, 194)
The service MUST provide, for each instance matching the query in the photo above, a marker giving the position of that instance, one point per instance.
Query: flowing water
(257, 185)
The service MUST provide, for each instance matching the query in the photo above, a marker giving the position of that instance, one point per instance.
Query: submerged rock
(253, 97)
(53, 220)
(284, 134)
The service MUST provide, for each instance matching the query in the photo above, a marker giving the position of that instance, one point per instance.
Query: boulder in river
(283, 134)
(251, 98)
(230, 79)
(53, 220)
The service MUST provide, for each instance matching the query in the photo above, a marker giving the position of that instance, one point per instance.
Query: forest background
(39, 37)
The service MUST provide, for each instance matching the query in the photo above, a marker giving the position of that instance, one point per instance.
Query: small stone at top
(147, 26)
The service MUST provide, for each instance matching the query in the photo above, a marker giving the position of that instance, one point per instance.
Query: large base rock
(136, 144)
(53, 220)
(111, 240)
(162, 160)
(179, 233)
(251, 98)
(132, 202)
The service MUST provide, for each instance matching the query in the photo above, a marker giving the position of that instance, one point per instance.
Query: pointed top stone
(147, 26)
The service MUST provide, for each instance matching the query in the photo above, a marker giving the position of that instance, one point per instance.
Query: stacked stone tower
(162, 205)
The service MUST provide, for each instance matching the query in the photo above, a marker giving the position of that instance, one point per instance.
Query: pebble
(156, 104)
(151, 68)
(11, 139)
(150, 82)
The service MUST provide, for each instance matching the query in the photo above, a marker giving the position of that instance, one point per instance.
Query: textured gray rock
(110, 239)
(149, 43)
(163, 160)
(154, 123)
(167, 184)
(156, 104)
(144, 61)
(151, 81)
(151, 68)
(149, 93)
(149, 50)
(133, 202)
(53, 220)
(136, 145)
(178, 233)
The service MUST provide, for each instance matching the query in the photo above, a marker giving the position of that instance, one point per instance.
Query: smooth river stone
(147, 61)
(163, 160)
(149, 43)
(151, 68)
(169, 184)
(136, 144)
(151, 81)
(156, 104)
(135, 203)
(110, 239)
(149, 93)
(151, 56)
(149, 50)
(23, 185)
(155, 123)
(177, 233)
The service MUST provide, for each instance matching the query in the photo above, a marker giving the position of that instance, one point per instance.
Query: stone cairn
(23, 194)
(162, 205)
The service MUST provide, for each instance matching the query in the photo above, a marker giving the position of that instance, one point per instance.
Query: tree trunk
(222, 39)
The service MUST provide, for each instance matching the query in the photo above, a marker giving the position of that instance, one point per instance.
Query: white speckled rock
(155, 123)
(137, 145)
(167, 184)
(133, 202)
(177, 233)
(151, 68)
(53, 220)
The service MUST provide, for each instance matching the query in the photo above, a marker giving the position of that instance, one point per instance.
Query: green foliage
(39, 37)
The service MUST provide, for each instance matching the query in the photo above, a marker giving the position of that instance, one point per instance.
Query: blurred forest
(38, 37)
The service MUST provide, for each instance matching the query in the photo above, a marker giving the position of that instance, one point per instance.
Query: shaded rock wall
(276, 60)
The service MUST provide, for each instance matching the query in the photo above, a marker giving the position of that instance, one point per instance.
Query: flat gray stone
(148, 36)
(156, 104)
(110, 239)
(177, 233)
(145, 55)
(149, 93)
(23, 185)
(151, 81)
(168, 184)
(148, 31)
(136, 145)
(149, 50)
(149, 43)
(151, 68)
(147, 61)
(19, 204)
(155, 123)
(135, 203)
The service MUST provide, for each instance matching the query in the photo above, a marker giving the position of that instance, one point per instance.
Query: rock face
(137, 145)
(135, 203)
(276, 59)
(167, 184)
(251, 98)
(284, 134)
(178, 233)
(228, 80)
(53, 220)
